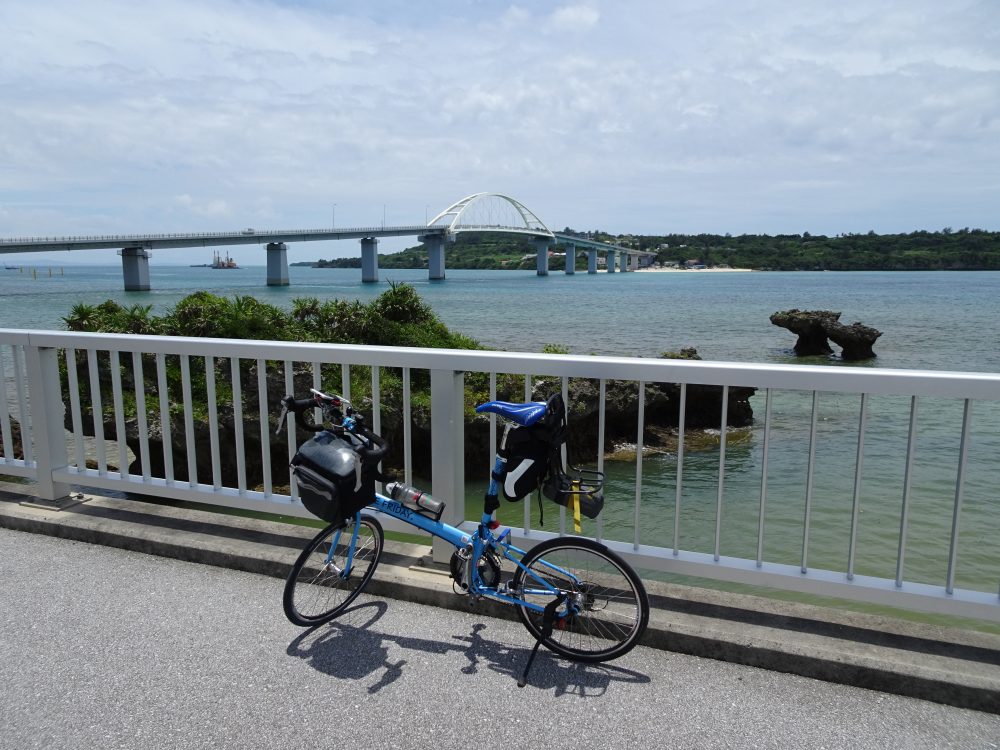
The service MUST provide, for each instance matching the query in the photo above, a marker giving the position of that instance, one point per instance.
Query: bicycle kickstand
(548, 618)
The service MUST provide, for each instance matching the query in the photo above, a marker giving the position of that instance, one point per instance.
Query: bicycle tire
(317, 591)
(612, 609)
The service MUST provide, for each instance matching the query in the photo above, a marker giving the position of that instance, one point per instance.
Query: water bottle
(411, 497)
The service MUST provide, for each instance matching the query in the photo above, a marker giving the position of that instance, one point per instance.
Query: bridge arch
(486, 212)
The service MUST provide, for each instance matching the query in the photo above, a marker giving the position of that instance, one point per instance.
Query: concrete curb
(955, 667)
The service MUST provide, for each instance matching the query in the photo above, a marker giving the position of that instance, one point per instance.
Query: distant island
(944, 250)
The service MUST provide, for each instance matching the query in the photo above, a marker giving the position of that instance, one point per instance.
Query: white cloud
(574, 18)
(684, 115)
(515, 16)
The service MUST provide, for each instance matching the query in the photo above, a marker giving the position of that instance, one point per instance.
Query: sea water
(929, 320)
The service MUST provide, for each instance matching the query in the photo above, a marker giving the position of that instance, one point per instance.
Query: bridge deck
(206, 239)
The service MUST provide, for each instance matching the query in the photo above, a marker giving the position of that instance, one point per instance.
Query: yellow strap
(576, 509)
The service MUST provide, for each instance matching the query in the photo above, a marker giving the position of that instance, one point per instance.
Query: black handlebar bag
(333, 481)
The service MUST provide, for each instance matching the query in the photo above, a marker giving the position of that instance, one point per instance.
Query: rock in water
(855, 340)
(815, 327)
(809, 327)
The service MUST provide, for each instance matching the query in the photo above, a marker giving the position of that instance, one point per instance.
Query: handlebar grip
(298, 407)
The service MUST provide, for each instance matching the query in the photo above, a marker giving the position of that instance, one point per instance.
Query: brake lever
(281, 417)
(337, 402)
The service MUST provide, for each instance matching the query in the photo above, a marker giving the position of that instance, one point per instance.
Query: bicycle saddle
(523, 414)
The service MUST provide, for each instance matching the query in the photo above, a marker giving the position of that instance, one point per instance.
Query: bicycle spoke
(608, 603)
(321, 584)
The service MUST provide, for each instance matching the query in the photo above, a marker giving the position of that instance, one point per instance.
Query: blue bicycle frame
(477, 543)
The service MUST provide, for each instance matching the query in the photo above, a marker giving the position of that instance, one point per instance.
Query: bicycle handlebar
(378, 447)
(341, 414)
(298, 407)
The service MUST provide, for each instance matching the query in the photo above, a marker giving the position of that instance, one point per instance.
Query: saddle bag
(527, 452)
(535, 461)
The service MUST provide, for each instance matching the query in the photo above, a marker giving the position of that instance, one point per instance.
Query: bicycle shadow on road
(349, 648)
(548, 672)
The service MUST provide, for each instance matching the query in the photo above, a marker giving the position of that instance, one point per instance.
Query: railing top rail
(973, 385)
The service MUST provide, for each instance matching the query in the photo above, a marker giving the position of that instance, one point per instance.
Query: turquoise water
(938, 321)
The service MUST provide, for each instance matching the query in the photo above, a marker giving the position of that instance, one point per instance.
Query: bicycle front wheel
(608, 606)
(323, 582)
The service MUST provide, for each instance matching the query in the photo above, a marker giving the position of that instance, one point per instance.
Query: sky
(624, 116)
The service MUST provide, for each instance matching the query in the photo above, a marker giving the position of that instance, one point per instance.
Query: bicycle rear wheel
(320, 586)
(609, 606)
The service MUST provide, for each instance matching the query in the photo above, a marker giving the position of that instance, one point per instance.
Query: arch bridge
(494, 212)
(480, 212)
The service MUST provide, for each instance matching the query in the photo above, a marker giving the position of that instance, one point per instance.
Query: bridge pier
(369, 259)
(435, 255)
(277, 264)
(612, 260)
(591, 261)
(542, 253)
(571, 259)
(135, 269)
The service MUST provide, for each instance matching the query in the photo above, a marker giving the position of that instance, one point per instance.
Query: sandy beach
(692, 270)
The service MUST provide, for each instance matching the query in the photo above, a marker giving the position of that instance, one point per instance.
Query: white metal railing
(747, 509)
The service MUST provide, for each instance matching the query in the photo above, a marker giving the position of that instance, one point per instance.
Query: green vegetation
(946, 250)
(966, 249)
(184, 391)
(397, 317)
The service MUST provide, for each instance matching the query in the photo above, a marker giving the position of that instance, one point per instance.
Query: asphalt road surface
(104, 648)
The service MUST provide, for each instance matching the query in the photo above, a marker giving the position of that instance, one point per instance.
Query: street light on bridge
(333, 223)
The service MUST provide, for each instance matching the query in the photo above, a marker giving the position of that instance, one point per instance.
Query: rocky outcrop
(856, 340)
(662, 412)
(815, 329)
(809, 327)
(703, 410)
(15, 439)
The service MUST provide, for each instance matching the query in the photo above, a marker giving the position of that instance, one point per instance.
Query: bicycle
(574, 595)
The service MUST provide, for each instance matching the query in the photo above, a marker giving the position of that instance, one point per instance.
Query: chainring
(489, 569)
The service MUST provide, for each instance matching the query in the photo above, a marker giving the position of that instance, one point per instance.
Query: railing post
(448, 450)
(47, 411)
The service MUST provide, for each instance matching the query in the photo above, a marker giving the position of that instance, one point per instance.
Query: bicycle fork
(344, 572)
